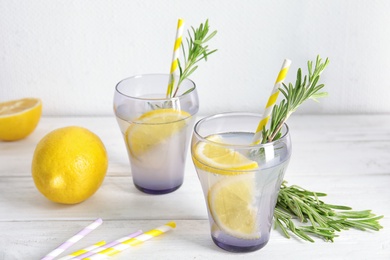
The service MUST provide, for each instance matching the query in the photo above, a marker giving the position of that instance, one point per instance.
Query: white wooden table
(347, 157)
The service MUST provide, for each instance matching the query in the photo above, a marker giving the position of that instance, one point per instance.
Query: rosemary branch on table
(321, 219)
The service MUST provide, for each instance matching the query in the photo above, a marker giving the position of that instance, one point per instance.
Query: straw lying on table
(272, 100)
(173, 79)
(83, 251)
(111, 244)
(133, 241)
(71, 241)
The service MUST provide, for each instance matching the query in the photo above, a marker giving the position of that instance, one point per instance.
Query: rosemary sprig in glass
(295, 203)
(195, 51)
(294, 96)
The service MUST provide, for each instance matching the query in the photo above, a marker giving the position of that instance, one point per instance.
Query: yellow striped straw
(83, 251)
(175, 57)
(133, 241)
(272, 100)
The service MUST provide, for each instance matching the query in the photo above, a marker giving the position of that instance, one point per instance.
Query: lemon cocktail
(156, 130)
(240, 180)
(155, 114)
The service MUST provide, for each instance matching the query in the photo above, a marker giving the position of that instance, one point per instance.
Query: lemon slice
(231, 200)
(154, 127)
(212, 157)
(19, 118)
(232, 205)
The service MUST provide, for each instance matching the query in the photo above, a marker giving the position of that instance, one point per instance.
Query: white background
(72, 53)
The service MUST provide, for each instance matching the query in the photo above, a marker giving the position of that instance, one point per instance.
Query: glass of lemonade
(156, 129)
(240, 180)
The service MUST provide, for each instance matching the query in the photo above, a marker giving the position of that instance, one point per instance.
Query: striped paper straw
(174, 65)
(71, 241)
(83, 251)
(272, 100)
(133, 241)
(111, 244)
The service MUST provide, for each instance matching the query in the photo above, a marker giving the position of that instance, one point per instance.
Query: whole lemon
(69, 165)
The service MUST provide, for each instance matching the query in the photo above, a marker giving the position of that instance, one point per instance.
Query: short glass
(240, 180)
(156, 129)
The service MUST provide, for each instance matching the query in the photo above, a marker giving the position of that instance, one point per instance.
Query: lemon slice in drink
(231, 200)
(231, 203)
(154, 127)
(215, 158)
(19, 118)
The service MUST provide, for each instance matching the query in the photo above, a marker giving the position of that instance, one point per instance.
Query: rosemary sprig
(294, 95)
(322, 220)
(294, 203)
(196, 51)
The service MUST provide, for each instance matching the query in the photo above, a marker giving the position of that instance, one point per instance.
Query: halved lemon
(232, 205)
(154, 127)
(214, 157)
(19, 118)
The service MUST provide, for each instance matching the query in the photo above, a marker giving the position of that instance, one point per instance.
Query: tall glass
(156, 129)
(240, 180)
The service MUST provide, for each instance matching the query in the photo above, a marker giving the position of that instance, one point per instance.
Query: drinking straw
(133, 241)
(111, 244)
(83, 251)
(272, 100)
(71, 241)
(175, 57)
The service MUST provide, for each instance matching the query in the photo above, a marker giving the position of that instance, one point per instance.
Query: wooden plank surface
(347, 157)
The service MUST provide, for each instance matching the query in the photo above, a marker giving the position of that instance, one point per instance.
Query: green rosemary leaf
(356, 214)
(191, 71)
(210, 36)
(284, 230)
(339, 207)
